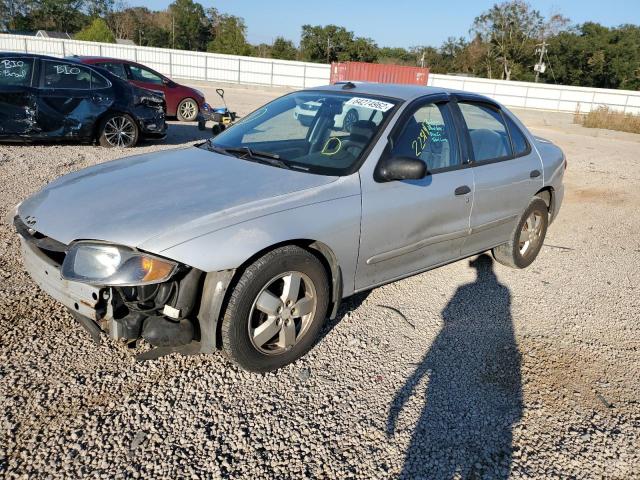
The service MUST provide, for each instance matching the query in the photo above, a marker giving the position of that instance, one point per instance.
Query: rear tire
(527, 237)
(118, 130)
(276, 310)
(187, 110)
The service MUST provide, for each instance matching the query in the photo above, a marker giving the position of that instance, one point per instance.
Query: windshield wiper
(251, 153)
(269, 158)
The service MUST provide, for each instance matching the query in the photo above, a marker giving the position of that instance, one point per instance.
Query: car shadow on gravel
(179, 133)
(472, 388)
(347, 306)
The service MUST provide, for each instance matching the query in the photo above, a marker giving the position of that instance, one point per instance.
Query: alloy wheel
(531, 234)
(119, 131)
(188, 109)
(282, 313)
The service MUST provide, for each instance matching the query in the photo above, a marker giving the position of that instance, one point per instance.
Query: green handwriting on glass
(429, 132)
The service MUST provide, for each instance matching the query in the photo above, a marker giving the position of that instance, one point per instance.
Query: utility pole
(328, 49)
(541, 67)
(173, 32)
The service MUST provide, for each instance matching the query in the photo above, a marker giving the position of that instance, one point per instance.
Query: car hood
(135, 199)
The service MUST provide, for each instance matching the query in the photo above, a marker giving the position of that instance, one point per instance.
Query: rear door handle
(534, 173)
(463, 190)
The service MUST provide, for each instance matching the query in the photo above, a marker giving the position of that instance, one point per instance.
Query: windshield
(315, 131)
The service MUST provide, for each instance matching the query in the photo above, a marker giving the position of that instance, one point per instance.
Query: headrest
(362, 131)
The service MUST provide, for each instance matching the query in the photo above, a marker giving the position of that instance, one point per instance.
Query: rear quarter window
(520, 144)
(16, 72)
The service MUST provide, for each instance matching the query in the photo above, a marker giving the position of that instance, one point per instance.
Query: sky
(395, 23)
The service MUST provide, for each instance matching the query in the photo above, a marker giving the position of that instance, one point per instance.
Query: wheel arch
(219, 285)
(547, 194)
(97, 126)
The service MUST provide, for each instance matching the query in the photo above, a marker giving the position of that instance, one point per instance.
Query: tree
(229, 34)
(592, 55)
(398, 56)
(189, 25)
(98, 8)
(97, 31)
(15, 15)
(283, 49)
(59, 15)
(511, 29)
(362, 50)
(325, 44)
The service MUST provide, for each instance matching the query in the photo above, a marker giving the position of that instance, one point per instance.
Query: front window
(315, 131)
(429, 135)
(140, 74)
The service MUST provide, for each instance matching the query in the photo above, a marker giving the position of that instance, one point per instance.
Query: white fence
(181, 63)
(543, 96)
(263, 71)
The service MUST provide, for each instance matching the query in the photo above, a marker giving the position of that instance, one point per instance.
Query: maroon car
(182, 102)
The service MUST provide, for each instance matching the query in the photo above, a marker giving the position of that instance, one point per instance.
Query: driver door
(411, 225)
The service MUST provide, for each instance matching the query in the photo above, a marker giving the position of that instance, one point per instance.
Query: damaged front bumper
(152, 125)
(169, 315)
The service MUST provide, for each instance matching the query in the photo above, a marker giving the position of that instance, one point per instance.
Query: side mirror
(220, 92)
(401, 168)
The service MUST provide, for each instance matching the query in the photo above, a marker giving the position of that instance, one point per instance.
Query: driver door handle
(463, 190)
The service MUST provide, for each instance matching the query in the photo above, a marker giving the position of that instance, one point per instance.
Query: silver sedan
(247, 242)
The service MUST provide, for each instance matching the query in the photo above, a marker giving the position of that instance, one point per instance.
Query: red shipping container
(379, 73)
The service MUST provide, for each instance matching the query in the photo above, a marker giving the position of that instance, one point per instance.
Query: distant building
(46, 34)
(125, 41)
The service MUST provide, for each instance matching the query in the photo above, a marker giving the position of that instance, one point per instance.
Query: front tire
(118, 130)
(187, 110)
(276, 310)
(527, 237)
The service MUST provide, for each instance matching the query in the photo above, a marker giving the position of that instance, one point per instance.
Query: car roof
(87, 58)
(28, 55)
(392, 90)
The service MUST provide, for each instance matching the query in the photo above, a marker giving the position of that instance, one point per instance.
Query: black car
(47, 98)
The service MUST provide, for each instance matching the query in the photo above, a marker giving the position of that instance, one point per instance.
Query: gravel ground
(469, 371)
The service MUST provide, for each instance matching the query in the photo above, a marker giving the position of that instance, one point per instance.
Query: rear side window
(116, 68)
(520, 144)
(66, 75)
(16, 72)
(429, 135)
(489, 136)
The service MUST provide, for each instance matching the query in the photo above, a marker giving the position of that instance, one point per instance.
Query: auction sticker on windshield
(370, 103)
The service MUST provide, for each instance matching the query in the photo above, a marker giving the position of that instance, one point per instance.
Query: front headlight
(103, 264)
